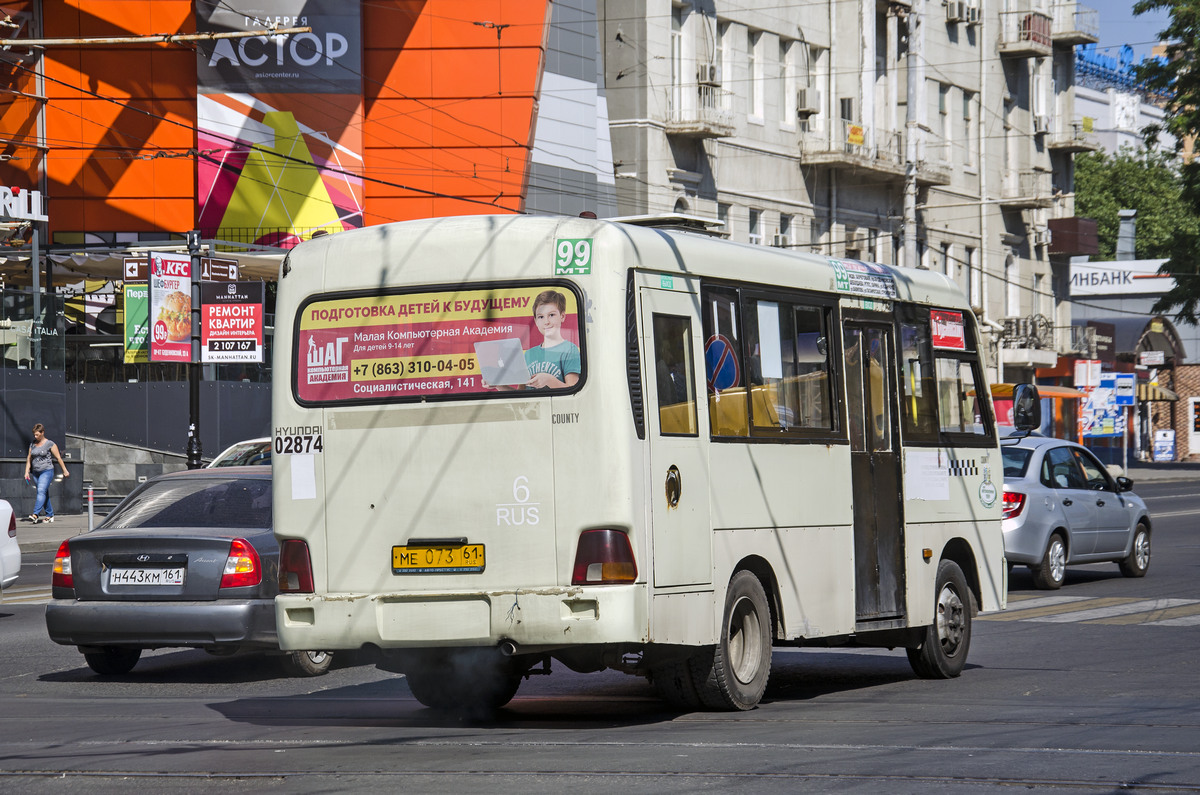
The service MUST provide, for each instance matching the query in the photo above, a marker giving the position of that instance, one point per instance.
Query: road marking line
(1110, 610)
(1182, 621)
(1189, 610)
(1050, 605)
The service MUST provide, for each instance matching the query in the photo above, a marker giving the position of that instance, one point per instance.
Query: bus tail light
(603, 557)
(1014, 503)
(242, 567)
(295, 568)
(62, 577)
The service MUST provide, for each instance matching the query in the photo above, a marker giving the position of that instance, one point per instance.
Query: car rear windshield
(1016, 461)
(196, 502)
(245, 455)
(498, 340)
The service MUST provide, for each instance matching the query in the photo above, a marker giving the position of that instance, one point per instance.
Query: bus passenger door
(875, 472)
(677, 426)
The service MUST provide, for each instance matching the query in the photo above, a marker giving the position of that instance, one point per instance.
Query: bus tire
(474, 683)
(943, 651)
(734, 676)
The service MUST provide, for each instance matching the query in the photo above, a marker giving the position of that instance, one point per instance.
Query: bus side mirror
(1027, 408)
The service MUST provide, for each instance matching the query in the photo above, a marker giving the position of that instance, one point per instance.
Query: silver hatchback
(1062, 507)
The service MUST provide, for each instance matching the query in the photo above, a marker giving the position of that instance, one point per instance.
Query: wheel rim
(745, 640)
(1057, 555)
(317, 657)
(1141, 549)
(951, 619)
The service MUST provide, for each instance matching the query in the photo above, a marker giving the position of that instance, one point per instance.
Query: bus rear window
(480, 342)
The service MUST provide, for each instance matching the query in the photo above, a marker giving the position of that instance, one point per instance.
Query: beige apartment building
(925, 134)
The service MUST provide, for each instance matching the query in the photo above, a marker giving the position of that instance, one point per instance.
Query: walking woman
(39, 462)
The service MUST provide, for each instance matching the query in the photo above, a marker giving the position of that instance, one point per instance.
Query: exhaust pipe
(508, 648)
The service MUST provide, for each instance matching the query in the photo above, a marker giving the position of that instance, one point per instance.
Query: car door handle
(1100, 502)
(1067, 501)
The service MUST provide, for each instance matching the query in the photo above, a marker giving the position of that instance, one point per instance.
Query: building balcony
(1025, 190)
(933, 163)
(850, 145)
(699, 111)
(1075, 24)
(1071, 140)
(1026, 34)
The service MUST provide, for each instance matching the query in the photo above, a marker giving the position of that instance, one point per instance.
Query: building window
(755, 72)
(756, 227)
(787, 85)
(785, 229)
(944, 120)
(974, 278)
(968, 129)
(1012, 289)
(723, 217)
(947, 263)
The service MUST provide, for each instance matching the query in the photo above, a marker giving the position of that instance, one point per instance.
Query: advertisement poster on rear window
(439, 344)
(170, 308)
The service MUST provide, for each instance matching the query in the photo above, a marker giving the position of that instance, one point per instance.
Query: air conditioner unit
(1041, 236)
(972, 15)
(806, 103)
(956, 10)
(1041, 124)
(781, 241)
(708, 74)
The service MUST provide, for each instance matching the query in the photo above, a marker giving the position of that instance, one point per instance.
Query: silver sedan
(1062, 507)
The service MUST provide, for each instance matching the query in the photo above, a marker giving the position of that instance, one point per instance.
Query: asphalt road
(1088, 689)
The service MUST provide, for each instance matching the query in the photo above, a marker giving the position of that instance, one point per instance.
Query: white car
(10, 550)
(247, 453)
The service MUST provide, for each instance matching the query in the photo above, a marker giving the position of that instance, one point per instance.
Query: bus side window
(673, 375)
(919, 401)
(724, 368)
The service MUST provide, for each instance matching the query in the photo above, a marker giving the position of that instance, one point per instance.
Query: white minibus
(502, 443)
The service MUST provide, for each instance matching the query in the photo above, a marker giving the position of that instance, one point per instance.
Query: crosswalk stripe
(1189, 609)
(1048, 608)
(1182, 621)
(1110, 610)
(1029, 603)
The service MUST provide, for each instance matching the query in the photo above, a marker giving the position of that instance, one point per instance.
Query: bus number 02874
(301, 443)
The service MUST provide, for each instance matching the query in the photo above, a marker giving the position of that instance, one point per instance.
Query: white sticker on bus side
(521, 511)
(304, 477)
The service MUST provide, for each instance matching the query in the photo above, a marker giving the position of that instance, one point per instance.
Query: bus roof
(495, 247)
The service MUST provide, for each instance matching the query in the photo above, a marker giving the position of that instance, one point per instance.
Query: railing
(1074, 139)
(1075, 22)
(1027, 189)
(1026, 33)
(700, 110)
(852, 141)
(1079, 340)
(285, 237)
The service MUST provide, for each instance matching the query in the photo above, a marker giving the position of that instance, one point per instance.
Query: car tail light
(241, 567)
(603, 557)
(62, 577)
(1014, 502)
(12, 525)
(295, 568)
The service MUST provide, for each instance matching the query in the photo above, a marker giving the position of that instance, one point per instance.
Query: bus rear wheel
(734, 676)
(471, 682)
(943, 652)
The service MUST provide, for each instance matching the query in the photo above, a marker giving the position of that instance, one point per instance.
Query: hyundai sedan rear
(187, 560)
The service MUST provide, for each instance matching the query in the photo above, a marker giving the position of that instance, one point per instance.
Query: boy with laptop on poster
(555, 364)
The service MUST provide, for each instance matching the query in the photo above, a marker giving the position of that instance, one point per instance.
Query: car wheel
(733, 674)
(943, 653)
(112, 660)
(307, 663)
(1050, 573)
(1138, 561)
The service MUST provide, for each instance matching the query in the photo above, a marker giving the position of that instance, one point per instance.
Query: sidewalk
(46, 536)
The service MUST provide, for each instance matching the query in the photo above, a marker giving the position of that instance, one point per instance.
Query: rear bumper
(539, 619)
(244, 623)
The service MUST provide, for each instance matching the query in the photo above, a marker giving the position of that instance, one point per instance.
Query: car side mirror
(1124, 484)
(1027, 408)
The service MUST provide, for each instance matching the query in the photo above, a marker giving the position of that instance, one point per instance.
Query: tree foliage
(1144, 181)
(1176, 77)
